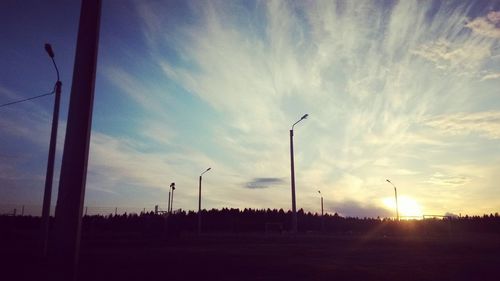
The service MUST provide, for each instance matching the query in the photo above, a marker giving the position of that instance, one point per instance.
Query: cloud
(446, 55)
(11, 96)
(494, 17)
(488, 26)
(139, 91)
(485, 123)
(447, 180)
(352, 208)
(219, 85)
(264, 182)
(491, 76)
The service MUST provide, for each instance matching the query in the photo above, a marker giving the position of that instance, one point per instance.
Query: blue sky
(403, 90)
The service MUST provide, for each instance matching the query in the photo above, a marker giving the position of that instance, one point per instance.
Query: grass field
(261, 257)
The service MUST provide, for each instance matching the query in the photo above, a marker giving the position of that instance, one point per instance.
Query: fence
(36, 210)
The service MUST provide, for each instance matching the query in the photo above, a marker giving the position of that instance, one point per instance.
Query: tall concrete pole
(47, 195)
(396, 196)
(172, 202)
(321, 206)
(199, 201)
(168, 205)
(72, 181)
(397, 207)
(292, 171)
(322, 217)
(199, 207)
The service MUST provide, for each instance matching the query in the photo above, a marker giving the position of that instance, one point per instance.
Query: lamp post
(292, 171)
(322, 217)
(168, 204)
(47, 195)
(396, 196)
(319, 191)
(199, 201)
(171, 203)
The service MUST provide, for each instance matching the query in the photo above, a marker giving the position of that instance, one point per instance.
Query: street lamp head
(172, 184)
(388, 181)
(319, 191)
(48, 49)
(302, 118)
(205, 171)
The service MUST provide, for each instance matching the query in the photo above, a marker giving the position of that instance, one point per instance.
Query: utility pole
(199, 201)
(292, 176)
(47, 195)
(168, 205)
(199, 207)
(322, 217)
(68, 217)
(396, 196)
(292, 172)
(321, 206)
(172, 199)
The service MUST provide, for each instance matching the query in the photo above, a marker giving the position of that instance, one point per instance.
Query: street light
(396, 196)
(171, 199)
(319, 191)
(292, 171)
(199, 201)
(322, 217)
(47, 195)
(168, 204)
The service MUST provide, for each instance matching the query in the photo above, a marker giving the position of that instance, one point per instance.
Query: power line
(32, 98)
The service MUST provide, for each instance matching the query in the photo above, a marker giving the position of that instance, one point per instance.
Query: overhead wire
(48, 48)
(31, 98)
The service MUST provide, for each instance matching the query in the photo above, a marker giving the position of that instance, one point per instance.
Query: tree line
(275, 221)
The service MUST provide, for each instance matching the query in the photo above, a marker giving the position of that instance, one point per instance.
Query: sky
(399, 90)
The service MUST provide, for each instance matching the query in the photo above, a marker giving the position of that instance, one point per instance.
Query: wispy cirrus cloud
(488, 25)
(445, 55)
(486, 124)
(388, 87)
(447, 180)
(366, 93)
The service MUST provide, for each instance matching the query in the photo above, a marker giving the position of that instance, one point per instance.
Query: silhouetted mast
(72, 181)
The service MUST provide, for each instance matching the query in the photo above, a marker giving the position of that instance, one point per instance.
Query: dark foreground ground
(268, 257)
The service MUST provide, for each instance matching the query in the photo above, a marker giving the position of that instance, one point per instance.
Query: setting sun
(408, 207)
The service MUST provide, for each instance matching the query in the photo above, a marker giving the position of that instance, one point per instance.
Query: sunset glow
(408, 207)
